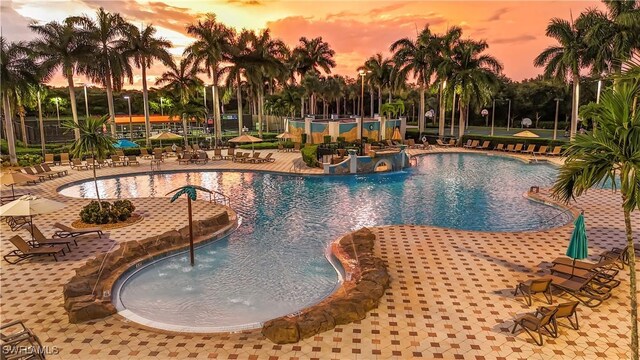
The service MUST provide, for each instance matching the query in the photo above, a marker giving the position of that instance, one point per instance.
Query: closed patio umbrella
(246, 139)
(29, 205)
(578, 245)
(396, 134)
(14, 177)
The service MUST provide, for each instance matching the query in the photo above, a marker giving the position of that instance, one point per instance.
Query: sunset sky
(515, 30)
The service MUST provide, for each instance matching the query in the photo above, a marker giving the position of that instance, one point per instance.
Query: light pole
(599, 88)
(555, 122)
(130, 117)
(362, 74)
(509, 115)
(493, 115)
(57, 99)
(86, 99)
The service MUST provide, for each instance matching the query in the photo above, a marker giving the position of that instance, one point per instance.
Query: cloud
(511, 40)
(245, 2)
(498, 14)
(14, 25)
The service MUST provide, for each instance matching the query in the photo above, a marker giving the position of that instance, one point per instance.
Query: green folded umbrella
(579, 244)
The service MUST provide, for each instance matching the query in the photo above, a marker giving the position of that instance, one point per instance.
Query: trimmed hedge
(266, 145)
(310, 155)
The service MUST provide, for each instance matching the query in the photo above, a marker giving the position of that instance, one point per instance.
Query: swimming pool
(275, 263)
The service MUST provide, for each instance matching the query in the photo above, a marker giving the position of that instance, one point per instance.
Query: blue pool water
(275, 263)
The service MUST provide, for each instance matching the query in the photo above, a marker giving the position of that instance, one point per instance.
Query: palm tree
(182, 80)
(473, 77)
(92, 141)
(188, 112)
(143, 48)
(443, 63)
(602, 155)
(63, 45)
(18, 73)
(567, 58)
(213, 40)
(415, 57)
(380, 74)
(312, 54)
(109, 66)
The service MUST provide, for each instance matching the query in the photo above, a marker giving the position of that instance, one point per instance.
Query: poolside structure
(348, 129)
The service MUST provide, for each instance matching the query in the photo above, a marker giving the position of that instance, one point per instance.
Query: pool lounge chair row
(255, 158)
(43, 172)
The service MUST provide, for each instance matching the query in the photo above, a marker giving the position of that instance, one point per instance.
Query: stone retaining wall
(88, 298)
(367, 280)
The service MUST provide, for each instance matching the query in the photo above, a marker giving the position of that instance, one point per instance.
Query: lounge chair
(536, 286)
(185, 159)
(29, 170)
(529, 149)
(541, 151)
(120, 153)
(132, 160)
(533, 324)
(77, 165)
(91, 162)
(217, 154)
(604, 265)
(440, 143)
(40, 240)
(116, 160)
(48, 159)
(66, 231)
(201, 158)
(18, 342)
(267, 158)
(517, 148)
(557, 151)
(145, 153)
(254, 159)
(467, 144)
(280, 148)
(620, 256)
(499, 147)
(242, 157)
(602, 279)
(296, 147)
(64, 159)
(24, 251)
(452, 142)
(17, 222)
(509, 148)
(59, 172)
(484, 146)
(581, 289)
(230, 154)
(41, 171)
(196, 147)
(566, 310)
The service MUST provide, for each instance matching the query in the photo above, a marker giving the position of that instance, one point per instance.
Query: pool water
(275, 263)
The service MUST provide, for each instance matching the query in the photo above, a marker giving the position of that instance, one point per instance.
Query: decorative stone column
(403, 126)
(334, 130)
(359, 128)
(307, 129)
(353, 161)
(403, 153)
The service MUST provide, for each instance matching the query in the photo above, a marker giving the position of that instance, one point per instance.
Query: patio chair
(185, 159)
(268, 158)
(603, 265)
(541, 151)
(296, 147)
(230, 154)
(536, 286)
(253, 159)
(59, 172)
(440, 143)
(120, 153)
(533, 324)
(581, 289)
(92, 163)
(619, 256)
(517, 148)
(29, 170)
(280, 148)
(144, 152)
(41, 171)
(132, 160)
(467, 144)
(66, 231)
(40, 240)
(241, 157)
(77, 165)
(201, 158)
(217, 154)
(452, 142)
(18, 342)
(509, 148)
(602, 279)
(499, 147)
(24, 251)
(17, 222)
(529, 149)
(566, 310)
(48, 159)
(64, 159)
(484, 146)
(557, 151)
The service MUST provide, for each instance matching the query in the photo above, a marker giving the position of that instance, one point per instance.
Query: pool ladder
(218, 197)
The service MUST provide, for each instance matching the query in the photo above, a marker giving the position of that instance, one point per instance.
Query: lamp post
(161, 109)
(485, 113)
(362, 74)
(86, 99)
(555, 122)
(493, 115)
(130, 117)
(57, 99)
(509, 115)
(599, 89)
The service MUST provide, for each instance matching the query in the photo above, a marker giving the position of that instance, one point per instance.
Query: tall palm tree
(380, 76)
(415, 57)
(92, 141)
(312, 54)
(213, 40)
(63, 45)
(473, 77)
(109, 66)
(566, 59)
(603, 155)
(188, 112)
(18, 73)
(144, 47)
(443, 63)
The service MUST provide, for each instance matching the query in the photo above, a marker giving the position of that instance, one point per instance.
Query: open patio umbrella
(29, 205)
(246, 139)
(13, 177)
(578, 245)
(285, 136)
(124, 143)
(165, 135)
(526, 134)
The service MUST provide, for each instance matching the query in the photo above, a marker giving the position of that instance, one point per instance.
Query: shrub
(304, 138)
(310, 155)
(341, 139)
(121, 210)
(327, 139)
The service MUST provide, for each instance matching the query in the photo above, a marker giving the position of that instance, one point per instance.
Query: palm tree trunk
(379, 98)
(389, 88)
(184, 131)
(632, 286)
(338, 106)
(421, 111)
(216, 106)
(302, 107)
(112, 111)
(72, 100)
(575, 103)
(11, 136)
(371, 101)
(95, 179)
(462, 121)
(260, 110)
(23, 126)
(239, 96)
(145, 101)
(441, 108)
(41, 124)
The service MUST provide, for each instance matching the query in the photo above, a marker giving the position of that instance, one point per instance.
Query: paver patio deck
(451, 293)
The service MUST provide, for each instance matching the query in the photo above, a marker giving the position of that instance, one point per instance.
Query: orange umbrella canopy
(526, 134)
(245, 139)
(396, 134)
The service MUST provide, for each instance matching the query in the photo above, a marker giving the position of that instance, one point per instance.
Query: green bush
(266, 145)
(327, 139)
(506, 140)
(341, 139)
(310, 155)
(120, 210)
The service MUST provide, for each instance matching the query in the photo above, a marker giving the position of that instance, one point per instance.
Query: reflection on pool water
(275, 264)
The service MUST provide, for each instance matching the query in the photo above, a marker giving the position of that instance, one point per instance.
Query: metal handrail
(217, 197)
